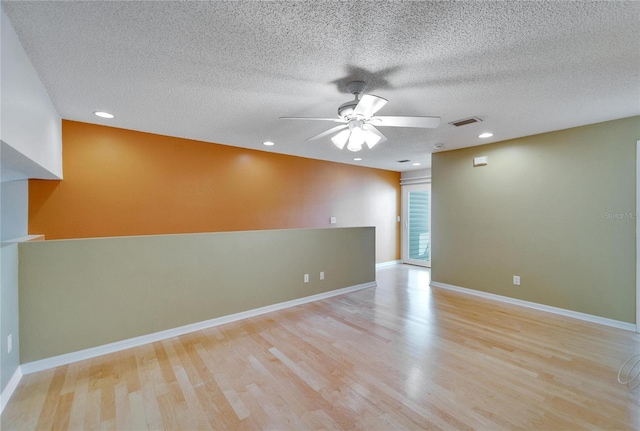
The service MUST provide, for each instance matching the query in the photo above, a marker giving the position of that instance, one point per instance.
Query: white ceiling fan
(359, 123)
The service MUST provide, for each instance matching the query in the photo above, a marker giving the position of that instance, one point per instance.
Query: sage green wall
(557, 209)
(77, 294)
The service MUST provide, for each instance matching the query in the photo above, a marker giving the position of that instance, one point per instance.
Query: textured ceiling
(225, 71)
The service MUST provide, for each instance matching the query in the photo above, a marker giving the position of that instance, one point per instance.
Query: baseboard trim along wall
(389, 263)
(541, 307)
(68, 358)
(11, 386)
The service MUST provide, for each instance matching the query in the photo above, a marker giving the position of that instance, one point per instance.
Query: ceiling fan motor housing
(346, 109)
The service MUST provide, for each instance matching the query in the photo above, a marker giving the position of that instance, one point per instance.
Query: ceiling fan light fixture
(356, 140)
(371, 139)
(341, 139)
(353, 146)
(357, 136)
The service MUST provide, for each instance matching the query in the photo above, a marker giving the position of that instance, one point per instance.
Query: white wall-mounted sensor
(480, 161)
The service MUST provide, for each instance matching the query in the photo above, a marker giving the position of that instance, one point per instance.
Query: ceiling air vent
(465, 121)
(404, 161)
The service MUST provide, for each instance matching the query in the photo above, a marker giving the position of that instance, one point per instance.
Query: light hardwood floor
(399, 356)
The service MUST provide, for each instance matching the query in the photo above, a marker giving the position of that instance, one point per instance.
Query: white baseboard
(68, 358)
(11, 386)
(541, 307)
(389, 263)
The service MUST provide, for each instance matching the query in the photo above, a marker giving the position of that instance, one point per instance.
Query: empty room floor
(398, 356)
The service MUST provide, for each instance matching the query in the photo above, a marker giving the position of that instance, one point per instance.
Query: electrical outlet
(9, 343)
(306, 278)
(321, 275)
(516, 280)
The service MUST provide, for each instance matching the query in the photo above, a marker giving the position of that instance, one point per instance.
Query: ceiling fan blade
(421, 122)
(369, 105)
(376, 139)
(335, 120)
(328, 132)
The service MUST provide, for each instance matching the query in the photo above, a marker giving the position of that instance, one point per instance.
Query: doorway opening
(416, 224)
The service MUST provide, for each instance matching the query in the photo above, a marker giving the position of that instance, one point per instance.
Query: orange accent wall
(120, 182)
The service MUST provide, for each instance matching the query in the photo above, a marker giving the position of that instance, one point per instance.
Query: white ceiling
(225, 71)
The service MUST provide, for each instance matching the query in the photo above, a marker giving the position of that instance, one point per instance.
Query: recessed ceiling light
(357, 159)
(485, 135)
(103, 114)
(438, 146)
(416, 164)
(268, 143)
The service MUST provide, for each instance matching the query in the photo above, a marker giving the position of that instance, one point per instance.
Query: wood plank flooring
(399, 356)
